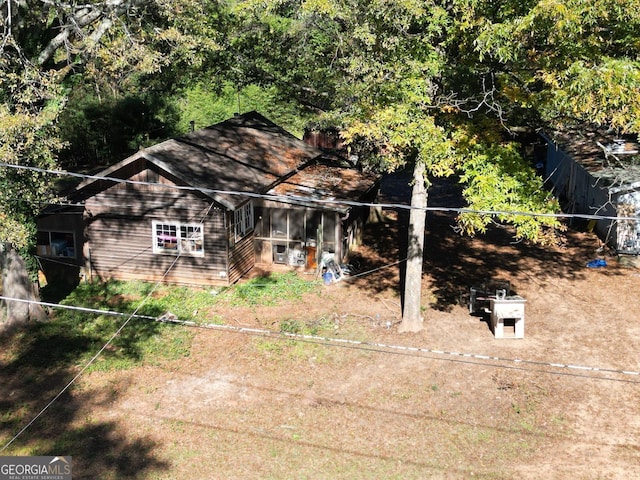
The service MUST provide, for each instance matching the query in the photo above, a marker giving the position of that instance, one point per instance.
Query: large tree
(30, 103)
(434, 86)
(554, 65)
(51, 48)
(393, 78)
(569, 61)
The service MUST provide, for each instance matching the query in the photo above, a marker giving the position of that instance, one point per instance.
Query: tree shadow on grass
(36, 365)
(453, 263)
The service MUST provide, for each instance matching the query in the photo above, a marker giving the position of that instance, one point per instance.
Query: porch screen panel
(329, 232)
(279, 223)
(314, 220)
(296, 225)
(261, 225)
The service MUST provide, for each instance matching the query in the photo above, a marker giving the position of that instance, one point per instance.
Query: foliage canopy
(442, 83)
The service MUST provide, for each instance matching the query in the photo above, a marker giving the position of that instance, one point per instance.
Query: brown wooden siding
(120, 242)
(242, 258)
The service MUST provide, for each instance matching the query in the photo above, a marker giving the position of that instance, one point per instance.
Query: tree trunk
(412, 320)
(15, 283)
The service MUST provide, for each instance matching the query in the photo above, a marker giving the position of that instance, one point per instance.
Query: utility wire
(82, 370)
(329, 341)
(293, 199)
(102, 349)
(368, 272)
(89, 363)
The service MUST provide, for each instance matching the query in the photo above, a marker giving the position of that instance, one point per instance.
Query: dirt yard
(562, 403)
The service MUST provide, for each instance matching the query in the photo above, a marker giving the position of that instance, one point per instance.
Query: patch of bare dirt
(252, 406)
(454, 403)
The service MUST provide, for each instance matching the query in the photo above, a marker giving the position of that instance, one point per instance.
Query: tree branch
(78, 18)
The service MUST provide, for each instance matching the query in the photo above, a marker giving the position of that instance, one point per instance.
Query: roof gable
(247, 153)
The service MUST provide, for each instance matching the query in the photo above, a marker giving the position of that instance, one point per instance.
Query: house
(206, 207)
(596, 173)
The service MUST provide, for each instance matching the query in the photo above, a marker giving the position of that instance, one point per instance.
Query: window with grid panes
(243, 220)
(178, 238)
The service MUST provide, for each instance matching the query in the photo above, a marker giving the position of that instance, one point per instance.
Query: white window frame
(243, 220)
(187, 237)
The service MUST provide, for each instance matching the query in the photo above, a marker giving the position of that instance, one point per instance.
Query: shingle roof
(247, 153)
(326, 182)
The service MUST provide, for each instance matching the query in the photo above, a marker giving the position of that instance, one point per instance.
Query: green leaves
(28, 137)
(405, 80)
(121, 47)
(497, 179)
(387, 64)
(571, 60)
(607, 93)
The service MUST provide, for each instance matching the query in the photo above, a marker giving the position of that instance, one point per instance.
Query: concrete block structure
(507, 316)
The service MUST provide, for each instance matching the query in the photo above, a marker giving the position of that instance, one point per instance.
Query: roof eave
(106, 175)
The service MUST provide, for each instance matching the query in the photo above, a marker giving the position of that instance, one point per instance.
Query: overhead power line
(294, 199)
(376, 346)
